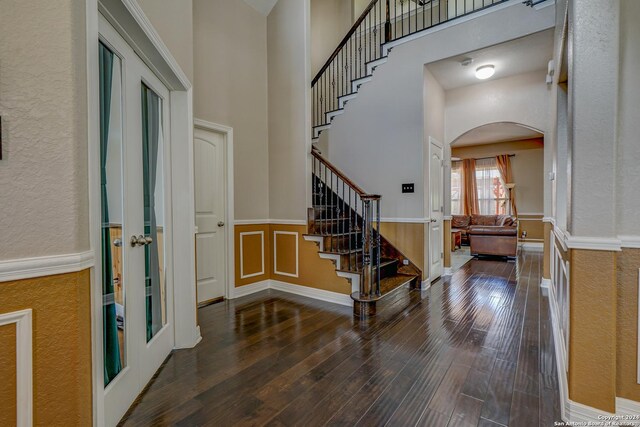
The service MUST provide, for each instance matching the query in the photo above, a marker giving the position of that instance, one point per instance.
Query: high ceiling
(518, 56)
(262, 6)
(496, 132)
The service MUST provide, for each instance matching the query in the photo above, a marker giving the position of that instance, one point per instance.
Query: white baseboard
(252, 288)
(426, 284)
(627, 407)
(314, 293)
(448, 271)
(305, 291)
(545, 283)
(533, 246)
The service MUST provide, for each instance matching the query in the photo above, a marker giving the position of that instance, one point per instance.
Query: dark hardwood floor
(474, 350)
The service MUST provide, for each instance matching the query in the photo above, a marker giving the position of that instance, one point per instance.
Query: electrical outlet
(407, 188)
(405, 262)
(524, 234)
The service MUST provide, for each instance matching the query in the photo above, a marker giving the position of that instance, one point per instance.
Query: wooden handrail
(363, 195)
(344, 41)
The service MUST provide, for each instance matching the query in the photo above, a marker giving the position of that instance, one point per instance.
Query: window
(493, 198)
(456, 188)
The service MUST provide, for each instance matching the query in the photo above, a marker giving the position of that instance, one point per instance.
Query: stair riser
(342, 242)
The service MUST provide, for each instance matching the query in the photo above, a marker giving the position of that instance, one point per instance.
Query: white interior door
(210, 186)
(436, 189)
(136, 238)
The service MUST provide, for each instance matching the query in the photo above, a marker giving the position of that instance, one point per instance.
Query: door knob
(138, 241)
(148, 240)
(220, 223)
(117, 243)
(434, 220)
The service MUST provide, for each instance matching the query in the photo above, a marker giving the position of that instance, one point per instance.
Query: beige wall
(43, 174)
(527, 166)
(289, 109)
(173, 19)
(520, 99)
(330, 22)
(230, 88)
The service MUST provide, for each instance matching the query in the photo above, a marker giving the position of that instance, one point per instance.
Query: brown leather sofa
(488, 234)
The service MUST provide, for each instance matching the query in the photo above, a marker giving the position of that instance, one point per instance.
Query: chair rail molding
(28, 268)
(24, 363)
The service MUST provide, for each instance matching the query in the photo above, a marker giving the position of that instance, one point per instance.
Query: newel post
(387, 24)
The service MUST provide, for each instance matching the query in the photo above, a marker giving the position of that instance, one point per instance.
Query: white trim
(229, 200)
(560, 237)
(250, 233)
(545, 283)
(319, 294)
(425, 285)
(275, 253)
(27, 268)
(533, 246)
(593, 243)
(249, 289)
(270, 221)
(447, 218)
(306, 291)
(549, 219)
(251, 222)
(288, 221)
(448, 271)
(627, 407)
(629, 241)
(638, 365)
(24, 364)
(406, 220)
(531, 214)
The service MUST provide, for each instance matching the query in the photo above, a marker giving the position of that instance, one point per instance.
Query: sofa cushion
(505, 221)
(460, 221)
(489, 230)
(483, 219)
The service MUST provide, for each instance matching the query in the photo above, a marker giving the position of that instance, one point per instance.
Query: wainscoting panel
(286, 258)
(17, 355)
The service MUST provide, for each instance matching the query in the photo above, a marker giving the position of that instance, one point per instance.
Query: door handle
(220, 223)
(117, 243)
(434, 220)
(138, 241)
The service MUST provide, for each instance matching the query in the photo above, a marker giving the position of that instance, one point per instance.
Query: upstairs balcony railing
(382, 21)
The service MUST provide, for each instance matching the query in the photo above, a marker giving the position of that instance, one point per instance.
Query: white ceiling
(518, 56)
(262, 6)
(496, 132)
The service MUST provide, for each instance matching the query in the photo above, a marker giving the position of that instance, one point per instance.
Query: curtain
(456, 188)
(469, 187)
(111, 348)
(150, 144)
(503, 163)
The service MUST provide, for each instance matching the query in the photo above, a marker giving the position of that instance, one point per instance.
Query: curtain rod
(481, 158)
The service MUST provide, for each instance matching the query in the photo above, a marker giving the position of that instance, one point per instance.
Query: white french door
(436, 204)
(136, 235)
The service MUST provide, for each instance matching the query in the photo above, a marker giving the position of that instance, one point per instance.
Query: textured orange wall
(8, 375)
(61, 307)
(533, 225)
(592, 358)
(546, 263)
(447, 243)
(628, 262)
(313, 271)
(252, 254)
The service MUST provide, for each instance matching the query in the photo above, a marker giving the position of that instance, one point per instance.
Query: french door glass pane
(111, 192)
(152, 168)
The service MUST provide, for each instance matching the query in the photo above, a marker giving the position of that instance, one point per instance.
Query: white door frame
(131, 22)
(227, 133)
(432, 276)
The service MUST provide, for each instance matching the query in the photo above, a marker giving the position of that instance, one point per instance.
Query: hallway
(474, 350)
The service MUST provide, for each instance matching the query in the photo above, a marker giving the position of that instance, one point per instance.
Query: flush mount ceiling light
(485, 72)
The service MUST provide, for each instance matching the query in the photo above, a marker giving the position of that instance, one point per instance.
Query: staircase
(381, 26)
(345, 224)
(345, 220)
